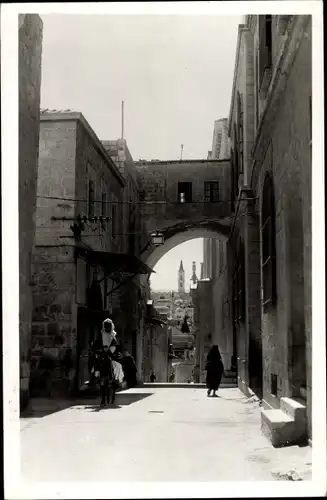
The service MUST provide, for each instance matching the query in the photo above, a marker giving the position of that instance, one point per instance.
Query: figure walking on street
(129, 368)
(215, 370)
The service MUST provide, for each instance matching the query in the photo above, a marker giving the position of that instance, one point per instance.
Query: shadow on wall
(43, 408)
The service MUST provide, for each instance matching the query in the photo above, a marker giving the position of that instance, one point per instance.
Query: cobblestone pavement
(158, 434)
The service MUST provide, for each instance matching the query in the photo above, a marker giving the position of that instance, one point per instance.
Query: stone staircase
(285, 426)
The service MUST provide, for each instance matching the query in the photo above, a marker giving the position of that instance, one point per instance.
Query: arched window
(239, 286)
(268, 242)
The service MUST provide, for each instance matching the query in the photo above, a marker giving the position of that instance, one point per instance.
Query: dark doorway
(255, 366)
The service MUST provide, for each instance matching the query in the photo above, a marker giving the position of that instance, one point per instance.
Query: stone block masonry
(30, 51)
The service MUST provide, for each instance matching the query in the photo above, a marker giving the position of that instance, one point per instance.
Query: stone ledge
(281, 429)
(294, 409)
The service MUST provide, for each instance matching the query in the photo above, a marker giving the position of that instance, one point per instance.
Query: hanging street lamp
(157, 238)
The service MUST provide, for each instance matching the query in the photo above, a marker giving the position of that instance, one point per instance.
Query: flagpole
(122, 119)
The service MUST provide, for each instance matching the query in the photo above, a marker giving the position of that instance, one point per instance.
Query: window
(239, 287)
(268, 245)
(211, 191)
(273, 384)
(185, 192)
(132, 229)
(91, 197)
(257, 87)
(104, 204)
(113, 222)
(236, 164)
(240, 131)
(265, 46)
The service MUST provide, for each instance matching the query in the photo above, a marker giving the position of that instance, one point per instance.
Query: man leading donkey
(107, 363)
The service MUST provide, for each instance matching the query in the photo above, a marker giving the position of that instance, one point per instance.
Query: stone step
(277, 427)
(293, 408)
(283, 428)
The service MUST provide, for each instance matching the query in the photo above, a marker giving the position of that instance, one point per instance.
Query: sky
(173, 72)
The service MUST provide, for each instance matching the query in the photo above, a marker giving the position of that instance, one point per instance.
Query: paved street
(156, 434)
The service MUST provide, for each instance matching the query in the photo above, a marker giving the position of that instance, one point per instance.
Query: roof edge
(79, 117)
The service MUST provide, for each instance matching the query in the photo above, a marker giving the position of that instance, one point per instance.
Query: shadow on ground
(42, 408)
(122, 399)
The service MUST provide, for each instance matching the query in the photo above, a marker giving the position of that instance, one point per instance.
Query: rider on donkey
(109, 362)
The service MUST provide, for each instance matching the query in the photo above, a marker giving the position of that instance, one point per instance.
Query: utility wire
(139, 202)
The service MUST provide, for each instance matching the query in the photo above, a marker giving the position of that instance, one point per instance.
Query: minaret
(181, 278)
(194, 278)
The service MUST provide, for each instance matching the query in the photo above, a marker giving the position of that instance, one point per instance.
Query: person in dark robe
(129, 368)
(152, 377)
(215, 370)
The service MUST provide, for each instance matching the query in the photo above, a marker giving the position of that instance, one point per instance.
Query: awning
(118, 262)
(153, 316)
(154, 321)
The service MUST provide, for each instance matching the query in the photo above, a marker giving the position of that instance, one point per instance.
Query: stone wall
(289, 158)
(160, 353)
(54, 327)
(222, 334)
(204, 324)
(281, 147)
(30, 52)
(134, 236)
(158, 184)
(70, 155)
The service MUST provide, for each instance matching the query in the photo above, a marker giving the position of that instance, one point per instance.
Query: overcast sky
(174, 74)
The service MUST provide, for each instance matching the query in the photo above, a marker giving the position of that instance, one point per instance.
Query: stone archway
(156, 253)
(207, 293)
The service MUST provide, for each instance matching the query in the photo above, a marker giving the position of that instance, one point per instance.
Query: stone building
(30, 54)
(259, 280)
(132, 231)
(82, 255)
(156, 358)
(268, 254)
(215, 288)
(220, 141)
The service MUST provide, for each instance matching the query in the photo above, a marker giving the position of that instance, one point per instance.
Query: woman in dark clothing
(129, 368)
(215, 370)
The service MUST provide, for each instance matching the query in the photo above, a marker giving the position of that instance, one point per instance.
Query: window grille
(113, 221)
(104, 204)
(268, 243)
(211, 191)
(91, 198)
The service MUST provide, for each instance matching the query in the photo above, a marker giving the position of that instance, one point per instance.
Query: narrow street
(156, 434)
